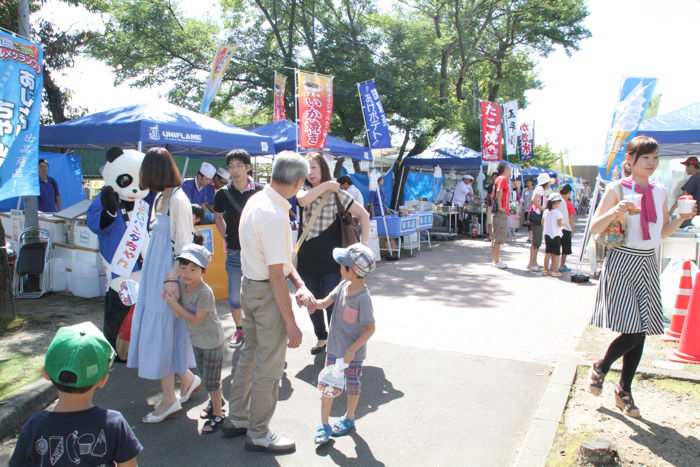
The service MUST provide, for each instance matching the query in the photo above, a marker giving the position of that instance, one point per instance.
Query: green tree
(545, 157)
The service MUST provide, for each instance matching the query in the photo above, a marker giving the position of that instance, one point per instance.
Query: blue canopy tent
(677, 132)
(419, 185)
(181, 131)
(284, 135)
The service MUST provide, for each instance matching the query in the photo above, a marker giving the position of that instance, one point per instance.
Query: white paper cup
(685, 206)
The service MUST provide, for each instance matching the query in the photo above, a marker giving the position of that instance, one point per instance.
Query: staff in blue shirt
(49, 196)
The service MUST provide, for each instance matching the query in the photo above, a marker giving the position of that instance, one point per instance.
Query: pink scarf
(648, 213)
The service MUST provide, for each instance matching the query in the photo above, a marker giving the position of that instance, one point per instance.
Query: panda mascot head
(122, 173)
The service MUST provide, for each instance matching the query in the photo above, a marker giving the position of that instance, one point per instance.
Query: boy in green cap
(76, 432)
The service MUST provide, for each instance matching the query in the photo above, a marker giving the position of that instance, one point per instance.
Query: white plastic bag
(331, 380)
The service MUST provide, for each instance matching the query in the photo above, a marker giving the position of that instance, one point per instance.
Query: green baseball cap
(79, 356)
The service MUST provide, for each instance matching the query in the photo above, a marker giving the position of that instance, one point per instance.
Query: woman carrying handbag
(321, 230)
(628, 299)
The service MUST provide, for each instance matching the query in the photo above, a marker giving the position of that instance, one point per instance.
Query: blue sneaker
(322, 434)
(343, 426)
(564, 269)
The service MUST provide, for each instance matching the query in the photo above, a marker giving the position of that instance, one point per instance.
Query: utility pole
(31, 203)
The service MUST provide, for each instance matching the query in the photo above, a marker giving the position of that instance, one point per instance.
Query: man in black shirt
(692, 185)
(228, 205)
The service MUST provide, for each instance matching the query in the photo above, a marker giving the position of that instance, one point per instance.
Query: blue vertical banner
(21, 84)
(635, 97)
(375, 119)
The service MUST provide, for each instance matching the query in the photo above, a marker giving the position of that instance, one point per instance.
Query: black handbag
(350, 231)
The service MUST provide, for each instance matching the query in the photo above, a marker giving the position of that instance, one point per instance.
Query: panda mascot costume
(119, 217)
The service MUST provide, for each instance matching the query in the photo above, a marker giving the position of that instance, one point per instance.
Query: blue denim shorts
(234, 273)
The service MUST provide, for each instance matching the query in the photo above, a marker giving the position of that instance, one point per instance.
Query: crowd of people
(177, 335)
(176, 332)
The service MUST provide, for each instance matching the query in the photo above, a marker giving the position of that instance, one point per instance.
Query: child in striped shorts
(352, 324)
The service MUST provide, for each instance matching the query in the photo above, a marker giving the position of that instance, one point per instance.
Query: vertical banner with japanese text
(279, 112)
(510, 123)
(491, 142)
(635, 97)
(314, 108)
(376, 125)
(21, 85)
(222, 59)
(526, 142)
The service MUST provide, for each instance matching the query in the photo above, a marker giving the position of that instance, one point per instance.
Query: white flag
(510, 122)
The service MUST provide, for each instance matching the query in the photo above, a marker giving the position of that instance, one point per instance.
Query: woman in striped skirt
(628, 300)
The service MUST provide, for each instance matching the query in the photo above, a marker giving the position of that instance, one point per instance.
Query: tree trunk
(7, 303)
(55, 98)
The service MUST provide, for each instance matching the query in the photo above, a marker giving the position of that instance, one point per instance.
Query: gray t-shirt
(208, 334)
(350, 315)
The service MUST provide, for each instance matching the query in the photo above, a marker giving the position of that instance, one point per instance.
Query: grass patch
(17, 372)
(16, 324)
(678, 386)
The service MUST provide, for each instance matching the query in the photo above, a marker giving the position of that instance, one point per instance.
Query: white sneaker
(500, 265)
(272, 443)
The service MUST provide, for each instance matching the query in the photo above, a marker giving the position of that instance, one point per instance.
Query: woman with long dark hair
(319, 233)
(160, 345)
(628, 300)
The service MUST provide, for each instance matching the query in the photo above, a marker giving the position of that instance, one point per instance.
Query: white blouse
(633, 225)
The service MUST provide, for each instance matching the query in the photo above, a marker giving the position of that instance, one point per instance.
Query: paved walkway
(460, 360)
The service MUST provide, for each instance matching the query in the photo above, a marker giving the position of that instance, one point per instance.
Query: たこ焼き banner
(375, 118)
(635, 96)
(314, 108)
(491, 141)
(279, 112)
(21, 84)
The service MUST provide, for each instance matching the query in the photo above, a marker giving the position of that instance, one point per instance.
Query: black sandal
(212, 425)
(595, 380)
(206, 412)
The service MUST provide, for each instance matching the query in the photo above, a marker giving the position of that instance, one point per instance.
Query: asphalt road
(460, 360)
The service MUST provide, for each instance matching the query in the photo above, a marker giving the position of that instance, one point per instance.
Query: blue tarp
(422, 186)
(677, 132)
(459, 157)
(65, 169)
(284, 134)
(529, 172)
(158, 124)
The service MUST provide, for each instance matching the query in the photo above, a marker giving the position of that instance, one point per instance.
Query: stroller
(31, 278)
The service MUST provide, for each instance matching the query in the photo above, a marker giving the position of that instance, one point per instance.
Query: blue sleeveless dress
(160, 342)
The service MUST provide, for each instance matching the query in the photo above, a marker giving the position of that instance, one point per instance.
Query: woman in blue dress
(160, 345)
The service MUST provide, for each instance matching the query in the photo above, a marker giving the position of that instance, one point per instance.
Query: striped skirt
(629, 293)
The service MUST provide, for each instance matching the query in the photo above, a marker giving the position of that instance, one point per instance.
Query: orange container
(216, 275)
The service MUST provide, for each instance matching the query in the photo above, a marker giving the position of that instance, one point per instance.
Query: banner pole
(296, 111)
(379, 190)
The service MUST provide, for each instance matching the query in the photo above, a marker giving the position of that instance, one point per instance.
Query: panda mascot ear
(113, 153)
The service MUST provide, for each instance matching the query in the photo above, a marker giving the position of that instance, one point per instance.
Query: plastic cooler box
(425, 220)
(397, 226)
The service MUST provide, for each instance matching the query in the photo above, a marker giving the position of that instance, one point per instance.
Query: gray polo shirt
(350, 316)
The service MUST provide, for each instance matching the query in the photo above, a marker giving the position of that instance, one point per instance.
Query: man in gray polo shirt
(268, 319)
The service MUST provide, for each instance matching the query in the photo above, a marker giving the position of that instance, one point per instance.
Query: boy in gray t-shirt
(352, 324)
(197, 307)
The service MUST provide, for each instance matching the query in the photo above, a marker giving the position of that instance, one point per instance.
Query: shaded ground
(668, 434)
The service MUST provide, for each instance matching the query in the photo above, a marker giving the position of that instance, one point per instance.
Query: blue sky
(574, 108)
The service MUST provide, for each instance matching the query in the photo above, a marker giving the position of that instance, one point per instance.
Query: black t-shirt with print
(230, 202)
(90, 438)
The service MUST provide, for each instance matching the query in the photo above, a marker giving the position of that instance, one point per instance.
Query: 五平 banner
(510, 123)
(635, 96)
(279, 112)
(375, 119)
(491, 145)
(21, 84)
(315, 108)
(222, 59)
(526, 142)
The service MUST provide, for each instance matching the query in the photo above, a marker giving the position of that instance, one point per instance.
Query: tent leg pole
(139, 146)
(184, 169)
